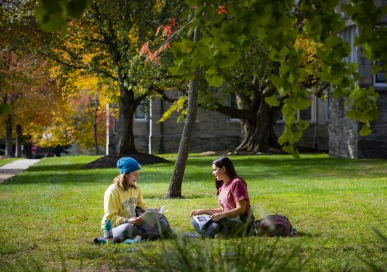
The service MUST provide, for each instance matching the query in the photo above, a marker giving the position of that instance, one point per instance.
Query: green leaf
(229, 60)
(189, 76)
(364, 131)
(279, 83)
(210, 71)
(298, 102)
(287, 110)
(376, 69)
(291, 78)
(302, 125)
(296, 154)
(215, 80)
(296, 136)
(185, 46)
(52, 22)
(272, 101)
(284, 69)
(172, 70)
(75, 8)
(288, 148)
(52, 15)
(284, 51)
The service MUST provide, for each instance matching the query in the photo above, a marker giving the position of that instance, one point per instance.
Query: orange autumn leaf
(172, 21)
(222, 9)
(145, 49)
(158, 29)
(167, 31)
(152, 56)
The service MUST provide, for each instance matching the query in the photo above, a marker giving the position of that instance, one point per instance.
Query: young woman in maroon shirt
(234, 217)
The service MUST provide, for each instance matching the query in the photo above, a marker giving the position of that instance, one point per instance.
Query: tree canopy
(228, 31)
(25, 80)
(229, 27)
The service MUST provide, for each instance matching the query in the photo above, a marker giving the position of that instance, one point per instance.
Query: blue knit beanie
(127, 165)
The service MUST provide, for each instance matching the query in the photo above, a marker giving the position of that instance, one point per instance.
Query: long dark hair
(230, 170)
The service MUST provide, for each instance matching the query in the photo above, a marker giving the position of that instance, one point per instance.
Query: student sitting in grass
(124, 203)
(234, 216)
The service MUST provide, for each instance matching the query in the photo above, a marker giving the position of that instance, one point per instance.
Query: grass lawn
(51, 213)
(8, 160)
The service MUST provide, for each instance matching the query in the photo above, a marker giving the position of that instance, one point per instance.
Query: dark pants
(129, 231)
(228, 227)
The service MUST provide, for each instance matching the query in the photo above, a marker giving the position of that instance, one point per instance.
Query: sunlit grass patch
(51, 213)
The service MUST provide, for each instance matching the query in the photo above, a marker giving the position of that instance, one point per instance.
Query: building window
(233, 105)
(348, 35)
(380, 77)
(316, 113)
(141, 111)
(305, 114)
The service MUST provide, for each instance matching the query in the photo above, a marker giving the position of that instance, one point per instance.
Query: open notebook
(150, 218)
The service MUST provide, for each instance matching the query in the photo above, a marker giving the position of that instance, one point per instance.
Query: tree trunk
(258, 132)
(174, 190)
(125, 137)
(8, 135)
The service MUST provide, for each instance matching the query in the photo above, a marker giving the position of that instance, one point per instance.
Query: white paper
(150, 218)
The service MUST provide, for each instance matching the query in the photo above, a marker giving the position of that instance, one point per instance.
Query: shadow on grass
(199, 169)
(58, 167)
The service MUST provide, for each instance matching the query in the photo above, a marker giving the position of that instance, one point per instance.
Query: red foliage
(222, 9)
(166, 34)
(145, 49)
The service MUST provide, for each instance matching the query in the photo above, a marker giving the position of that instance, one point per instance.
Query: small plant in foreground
(382, 264)
(223, 255)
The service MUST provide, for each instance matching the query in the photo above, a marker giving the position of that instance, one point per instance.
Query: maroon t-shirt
(233, 191)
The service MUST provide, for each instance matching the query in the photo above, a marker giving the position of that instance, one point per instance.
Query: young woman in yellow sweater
(124, 203)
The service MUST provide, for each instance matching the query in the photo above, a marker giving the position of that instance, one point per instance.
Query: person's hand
(217, 216)
(135, 220)
(154, 209)
(195, 212)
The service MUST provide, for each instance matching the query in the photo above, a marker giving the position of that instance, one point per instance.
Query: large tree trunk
(8, 135)
(174, 190)
(258, 135)
(258, 132)
(125, 137)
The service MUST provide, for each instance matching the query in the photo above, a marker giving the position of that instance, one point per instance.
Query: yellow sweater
(120, 205)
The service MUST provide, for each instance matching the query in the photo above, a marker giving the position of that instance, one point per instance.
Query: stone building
(344, 138)
(213, 131)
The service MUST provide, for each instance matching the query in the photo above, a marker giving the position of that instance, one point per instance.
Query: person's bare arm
(238, 211)
(206, 211)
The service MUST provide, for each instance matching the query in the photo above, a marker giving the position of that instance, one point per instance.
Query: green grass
(51, 213)
(8, 160)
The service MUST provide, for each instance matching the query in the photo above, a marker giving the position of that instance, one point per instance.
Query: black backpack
(274, 225)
